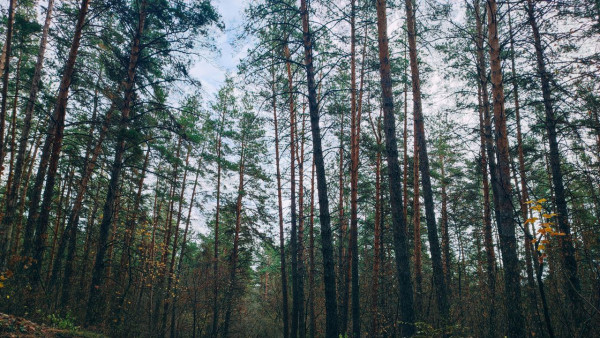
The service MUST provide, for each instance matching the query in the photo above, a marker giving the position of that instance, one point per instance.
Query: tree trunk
(391, 147)
(283, 270)
(12, 8)
(236, 244)
(417, 229)
(523, 181)
(324, 216)
(12, 195)
(294, 229)
(95, 305)
(71, 229)
(13, 128)
(445, 232)
(301, 268)
(504, 210)
(215, 307)
(183, 247)
(432, 234)
(376, 236)
(57, 138)
(571, 283)
(311, 257)
(354, 145)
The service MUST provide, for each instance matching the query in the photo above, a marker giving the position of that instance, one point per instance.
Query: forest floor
(13, 326)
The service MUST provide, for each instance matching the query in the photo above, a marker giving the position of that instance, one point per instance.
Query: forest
(358, 168)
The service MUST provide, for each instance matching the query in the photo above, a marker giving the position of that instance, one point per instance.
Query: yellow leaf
(531, 220)
(542, 200)
(537, 207)
(541, 247)
(559, 234)
(530, 202)
(533, 241)
(549, 215)
(542, 231)
(1, 285)
(545, 241)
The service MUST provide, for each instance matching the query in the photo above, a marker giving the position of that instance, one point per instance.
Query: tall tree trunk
(523, 181)
(171, 272)
(236, 244)
(215, 305)
(324, 216)
(376, 235)
(432, 234)
(283, 270)
(391, 147)
(342, 266)
(354, 145)
(57, 138)
(294, 229)
(13, 128)
(95, 305)
(12, 7)
(183, 248)
(70, 238)
(12, 195)
(417, 245)
(311, 256)
(571, 284)
(504, 210)
(445, 232)
(301, 268)
(487, 218)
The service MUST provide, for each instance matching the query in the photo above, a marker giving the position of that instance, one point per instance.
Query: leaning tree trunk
(58, 133)
(432, 234)
(324, 216)
(391, 146)
(13, 193)
(12, 7)
(504, 210)
(96, 304)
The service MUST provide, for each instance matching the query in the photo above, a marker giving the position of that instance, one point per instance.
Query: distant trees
(137, 203)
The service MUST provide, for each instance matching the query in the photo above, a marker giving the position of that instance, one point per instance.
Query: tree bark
(12, 7)
(391, 147)
(354, 145)
(441, 290)
(571, 283)
(283, 270)
(294, 228)
(57, 138)
(504, 210)
(95, 305)
(324, 216)
(12, 195)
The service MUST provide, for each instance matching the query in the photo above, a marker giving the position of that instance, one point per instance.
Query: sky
(211, 70)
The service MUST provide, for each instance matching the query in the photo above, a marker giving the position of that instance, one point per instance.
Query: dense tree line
(371, 168)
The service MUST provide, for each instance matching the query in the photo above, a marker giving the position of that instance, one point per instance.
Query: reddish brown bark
(13, 193)
(504, 212)
(57, 138)
(95, 305)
